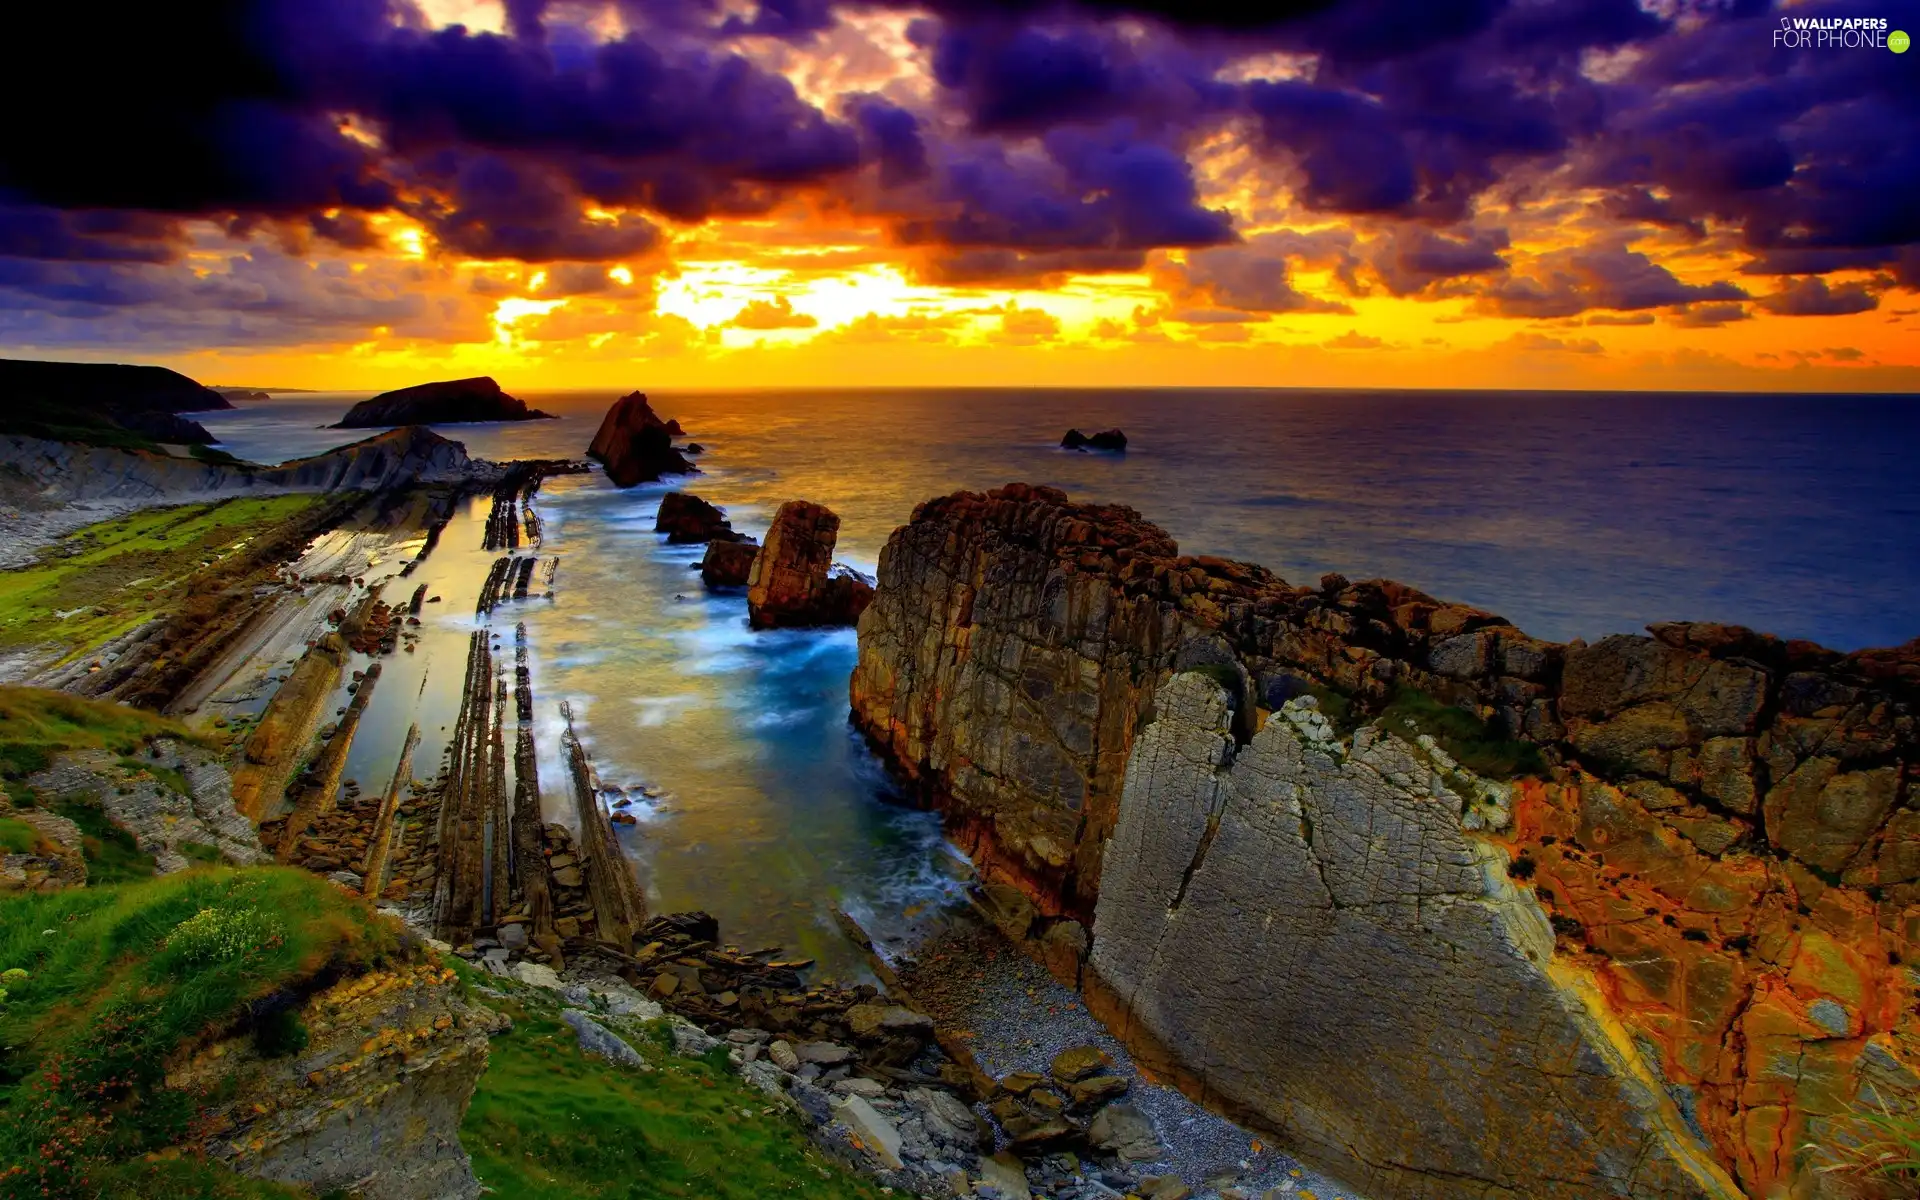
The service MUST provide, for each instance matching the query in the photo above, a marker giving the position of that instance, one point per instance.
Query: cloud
(1353, 340)
(776, 313)
(1709, 316)
(1538, 343)
(1563, 283)
(1811, 297)
(1603, 318)
(1256, 277)
(1035, 324)
(1412, 258)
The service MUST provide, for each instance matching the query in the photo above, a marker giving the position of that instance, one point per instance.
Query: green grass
(113, 992)
(168, 777)
(25, 417)
(210, 454)
(17, 837)
(1477, 745)
(112, 577)
(548, 1123)
(200, 853)
(36, 724)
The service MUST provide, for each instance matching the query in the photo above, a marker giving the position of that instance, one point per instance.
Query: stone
(870, 1088)
(513, 937)
(691, 1041)
(1079, 1062)
(946, 1115)
(728, 564)
(879, 1020)
(687, 519)
(1164, 1187)
(1123, 1130)
(535, 975)
(635, 445)
(793, 581)
(1823, 817)
(781, 1054)
(876, 1133)
(825, 1054)
(596, 1040)
(1006, 1175)
(569, 877)
(1097, 1089)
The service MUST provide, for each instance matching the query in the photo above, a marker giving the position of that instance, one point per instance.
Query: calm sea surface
(1573, 515)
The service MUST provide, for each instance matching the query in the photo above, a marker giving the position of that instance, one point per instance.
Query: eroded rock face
(1306, 931)
(373, 1103)
(728, 564)
(794, 581)
(635, 445)
(168, 822)
(1723, 828)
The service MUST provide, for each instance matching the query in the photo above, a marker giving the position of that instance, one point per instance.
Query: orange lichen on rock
(1753, 986)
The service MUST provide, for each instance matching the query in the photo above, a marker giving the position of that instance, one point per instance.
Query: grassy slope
(549, 1123)
(112, 992)
(36, 724)
(113, 576)
(1473, 743)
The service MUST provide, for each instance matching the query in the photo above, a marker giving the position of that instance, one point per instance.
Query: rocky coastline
(444, 402)
(1705, 835)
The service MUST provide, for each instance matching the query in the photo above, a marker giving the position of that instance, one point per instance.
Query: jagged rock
(686, 518)
(1079, 1062)
(598, 1041)
(1124, 1131)
(782, 1055)
(793, 581)
(1006, 1176)
(690, 1041)
(536, 975)
(825, 1054)
(446, 402)
(1108, 439)
(728, 564)
(1230, 865)
(635, 445)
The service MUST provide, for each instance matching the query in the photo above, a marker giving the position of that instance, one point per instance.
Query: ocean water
(1574, 515)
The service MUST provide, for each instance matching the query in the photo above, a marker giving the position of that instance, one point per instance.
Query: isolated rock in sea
(1716, 821)
(728, 564)
(1106, 439)
(635, 445)
(1299, 921)
(446, 402)
(794, 581)
(685, 518)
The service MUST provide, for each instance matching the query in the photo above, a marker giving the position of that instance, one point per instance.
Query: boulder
(445, 402)
(794, 581)
(635, 445)
(1107, 439)
(597, 1041)
(686, 519)
(874, 1130)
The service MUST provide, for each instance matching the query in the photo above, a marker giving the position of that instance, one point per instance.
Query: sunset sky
(709, 193)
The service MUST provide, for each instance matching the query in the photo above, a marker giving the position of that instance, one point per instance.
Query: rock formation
(635, 445)
(1719, 824)
(104, 387)
(1106, 439)
(728, 564)
(446, 402)
(794, 581)
(686, 519)
(1302, 923)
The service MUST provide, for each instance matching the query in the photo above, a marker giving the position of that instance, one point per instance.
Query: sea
(1575, 515)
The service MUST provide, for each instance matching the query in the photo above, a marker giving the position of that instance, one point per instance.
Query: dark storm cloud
(1412, 258)
(1565, 283)
(93, 235)
(1811, 297)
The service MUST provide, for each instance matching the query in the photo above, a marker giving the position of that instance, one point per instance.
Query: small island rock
(445, 402)
(728, 564)
(635, 445)
(1106, 439)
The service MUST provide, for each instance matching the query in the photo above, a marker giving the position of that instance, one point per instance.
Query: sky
(348, 194)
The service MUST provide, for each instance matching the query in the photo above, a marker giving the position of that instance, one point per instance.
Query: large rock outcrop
(686, 519)
(635, 445)
(1303, 929)
(372, 1103)
(104, 387)
(444, 402)
(794, 582)
(1723, 825)
(64, 472)
(728, 564)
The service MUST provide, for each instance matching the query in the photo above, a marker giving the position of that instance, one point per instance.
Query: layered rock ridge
(1302, 930)
(1722, 827)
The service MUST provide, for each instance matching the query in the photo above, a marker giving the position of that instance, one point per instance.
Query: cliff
(62, 472)
(1718, 823)
(635, 445)
(105, 387)
(445, 402)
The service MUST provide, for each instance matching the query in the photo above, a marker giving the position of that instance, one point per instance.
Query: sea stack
(446, 402)
(1111, 440)
(794, 581)
(688, 520)
(635, 445)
